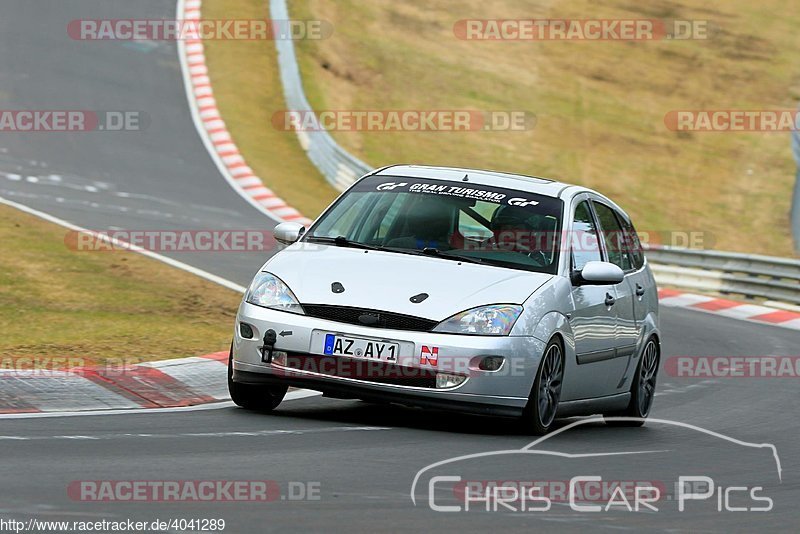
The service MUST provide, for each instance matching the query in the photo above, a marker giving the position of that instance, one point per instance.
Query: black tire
(643, 388)
(540, 413)
(253, 396)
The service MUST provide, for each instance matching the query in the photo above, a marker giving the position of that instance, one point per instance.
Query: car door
(616, 252)
(592, 320)
(639, 278)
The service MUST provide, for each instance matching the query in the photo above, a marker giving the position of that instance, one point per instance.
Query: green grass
(96, 307)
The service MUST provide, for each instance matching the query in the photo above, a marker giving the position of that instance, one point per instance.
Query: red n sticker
(429, 355)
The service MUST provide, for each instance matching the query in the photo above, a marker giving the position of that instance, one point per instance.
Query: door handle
(639, 290)
(610, 300)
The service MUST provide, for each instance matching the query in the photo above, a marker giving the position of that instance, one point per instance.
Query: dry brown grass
(600, 105)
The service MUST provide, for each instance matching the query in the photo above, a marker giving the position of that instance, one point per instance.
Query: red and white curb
(729, 308)
(202, 380)
(215, 134)
(163, 384)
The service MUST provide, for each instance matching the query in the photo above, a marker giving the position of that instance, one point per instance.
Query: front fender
(553, 323)
(556, 323)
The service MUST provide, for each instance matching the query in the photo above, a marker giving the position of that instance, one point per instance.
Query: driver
(516, 229)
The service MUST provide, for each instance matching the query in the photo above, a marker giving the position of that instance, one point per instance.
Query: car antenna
(465, 178)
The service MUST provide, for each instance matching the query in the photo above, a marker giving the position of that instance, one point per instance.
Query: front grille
(382, 319)
(367, 370)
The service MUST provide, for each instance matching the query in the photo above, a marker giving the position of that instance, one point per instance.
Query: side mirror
(598, 273)
(288, 232)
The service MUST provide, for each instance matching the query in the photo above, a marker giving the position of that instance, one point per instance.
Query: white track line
(225, 172)
(299, 394)
(118, 242)
(202, 435)
(292, 395)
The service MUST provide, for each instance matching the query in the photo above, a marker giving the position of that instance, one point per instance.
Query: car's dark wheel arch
(633, 413)
(532, 416)
(258, 397)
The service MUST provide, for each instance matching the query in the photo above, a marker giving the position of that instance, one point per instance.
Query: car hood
(386, 280)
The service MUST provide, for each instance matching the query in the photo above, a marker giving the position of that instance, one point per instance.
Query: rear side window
(632, 244)
(613, 237)
(585, 244)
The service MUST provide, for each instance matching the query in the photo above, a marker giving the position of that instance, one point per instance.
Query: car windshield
(452, 220)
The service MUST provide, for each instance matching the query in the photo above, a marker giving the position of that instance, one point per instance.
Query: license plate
(353, 347)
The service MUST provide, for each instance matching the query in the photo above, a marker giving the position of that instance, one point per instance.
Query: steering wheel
(539, 257)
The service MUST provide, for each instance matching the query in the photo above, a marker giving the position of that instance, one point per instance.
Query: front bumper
(504, 391)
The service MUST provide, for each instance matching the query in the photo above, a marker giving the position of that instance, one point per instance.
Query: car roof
(532, 184)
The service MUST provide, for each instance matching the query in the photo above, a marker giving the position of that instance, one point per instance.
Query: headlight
(269, 291)
(495, 320)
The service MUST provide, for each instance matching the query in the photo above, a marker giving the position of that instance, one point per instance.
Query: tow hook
(269, 346)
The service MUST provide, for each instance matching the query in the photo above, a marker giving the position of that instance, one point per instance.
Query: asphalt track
(363, 457)
(160, 178)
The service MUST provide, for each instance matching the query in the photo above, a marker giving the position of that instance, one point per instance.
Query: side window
(585, 244)
(613, 237)
(632, 244)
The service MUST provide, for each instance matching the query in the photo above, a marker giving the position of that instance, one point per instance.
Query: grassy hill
(600, 106)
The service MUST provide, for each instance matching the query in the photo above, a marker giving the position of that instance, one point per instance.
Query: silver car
(461, 289)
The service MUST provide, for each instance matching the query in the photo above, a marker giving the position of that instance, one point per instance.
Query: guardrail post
(795, 214)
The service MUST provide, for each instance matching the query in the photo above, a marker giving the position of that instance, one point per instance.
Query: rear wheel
(543, 401)
(643, 389)
(253, 396)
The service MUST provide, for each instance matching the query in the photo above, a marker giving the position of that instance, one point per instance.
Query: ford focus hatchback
(460, 289)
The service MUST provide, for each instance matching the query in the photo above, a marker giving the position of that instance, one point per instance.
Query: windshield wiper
(342, 241)
(430, 251)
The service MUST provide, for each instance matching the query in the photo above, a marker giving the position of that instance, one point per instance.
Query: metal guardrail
(795, 215)
(339, 167)
(724, 272)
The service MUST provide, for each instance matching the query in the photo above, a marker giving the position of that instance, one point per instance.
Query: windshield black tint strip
(462, 190)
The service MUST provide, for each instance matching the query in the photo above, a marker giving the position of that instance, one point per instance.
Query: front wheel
(253, 396)
(543, 401)
(643, 389)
